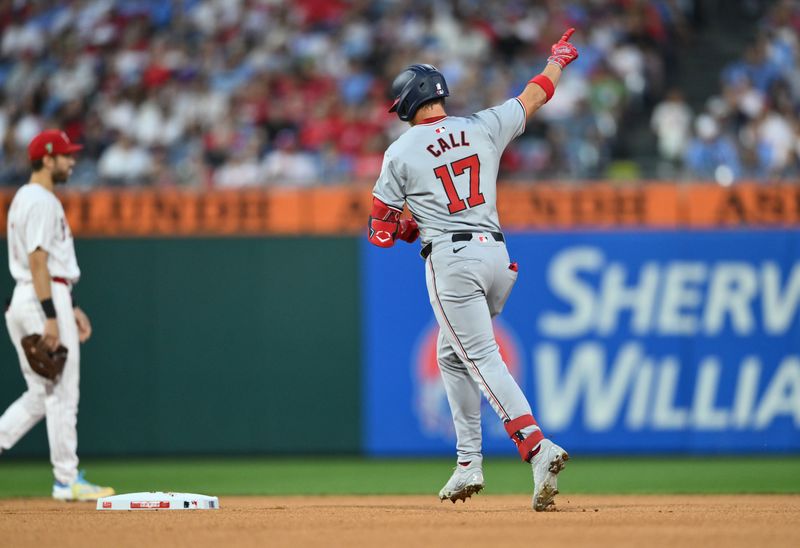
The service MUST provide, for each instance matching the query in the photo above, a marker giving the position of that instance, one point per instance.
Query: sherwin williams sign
(645, 342)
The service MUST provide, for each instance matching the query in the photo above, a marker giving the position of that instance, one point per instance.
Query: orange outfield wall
(344, 209)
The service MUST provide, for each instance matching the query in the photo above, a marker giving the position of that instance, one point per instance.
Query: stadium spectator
(711, 154)
(757, 114)
(288, 165)
(125, 163)
(672, 124)
(172, 76)
(240, 171)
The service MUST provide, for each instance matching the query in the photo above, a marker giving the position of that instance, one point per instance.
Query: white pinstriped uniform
(36, 219)
(446, 171)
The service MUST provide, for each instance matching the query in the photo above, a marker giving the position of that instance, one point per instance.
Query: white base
(156, 500)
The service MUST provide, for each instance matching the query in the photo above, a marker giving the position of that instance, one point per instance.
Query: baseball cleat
(546, 464)
(80, 490)
(465, 482)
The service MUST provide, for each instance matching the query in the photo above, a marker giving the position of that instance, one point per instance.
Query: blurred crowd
(749, 129)
(243, 93)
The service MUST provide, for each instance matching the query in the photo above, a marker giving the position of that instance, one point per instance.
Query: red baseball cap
(52, 142)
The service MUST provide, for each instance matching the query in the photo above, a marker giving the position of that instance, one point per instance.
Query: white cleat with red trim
(465, 482)
(546, 464)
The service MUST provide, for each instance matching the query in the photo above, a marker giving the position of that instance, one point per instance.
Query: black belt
(460, 237)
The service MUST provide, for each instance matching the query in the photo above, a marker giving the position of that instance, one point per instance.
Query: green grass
(335, 476)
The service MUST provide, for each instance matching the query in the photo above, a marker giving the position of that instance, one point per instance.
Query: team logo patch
(441, 129)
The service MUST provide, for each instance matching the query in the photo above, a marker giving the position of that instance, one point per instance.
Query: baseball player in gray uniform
(41, 257)
(444, 168)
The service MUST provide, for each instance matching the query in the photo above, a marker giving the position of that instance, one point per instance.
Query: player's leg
(550, 459)
(61, 403)
(464, 399)
(461, 290)
(457, 291)
(29, 408)
(62, 412)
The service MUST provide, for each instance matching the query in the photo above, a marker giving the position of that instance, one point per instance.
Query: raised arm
(541, 87)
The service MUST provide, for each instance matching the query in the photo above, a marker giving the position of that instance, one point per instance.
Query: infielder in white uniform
(41, 257)
(445, 169)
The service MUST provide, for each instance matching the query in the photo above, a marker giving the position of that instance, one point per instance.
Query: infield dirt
(411, 521)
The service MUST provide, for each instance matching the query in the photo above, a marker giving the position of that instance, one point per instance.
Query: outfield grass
(336, 476)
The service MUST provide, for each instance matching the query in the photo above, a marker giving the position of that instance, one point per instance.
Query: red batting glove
(562, 52)
(408, 231)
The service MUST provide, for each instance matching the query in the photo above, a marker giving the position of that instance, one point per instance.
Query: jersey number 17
(475, 198)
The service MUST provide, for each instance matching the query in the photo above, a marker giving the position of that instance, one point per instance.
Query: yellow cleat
(80, 489)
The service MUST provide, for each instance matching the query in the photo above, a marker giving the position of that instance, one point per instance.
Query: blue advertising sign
(624, 342)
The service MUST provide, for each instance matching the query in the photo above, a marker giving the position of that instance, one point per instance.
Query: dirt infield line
(411, 521)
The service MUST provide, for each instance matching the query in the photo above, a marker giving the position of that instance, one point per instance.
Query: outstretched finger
(567, 35)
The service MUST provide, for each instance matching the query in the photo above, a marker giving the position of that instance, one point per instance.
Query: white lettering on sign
(730, 294)
(615, 297)
(564, 282)
(783, 394)
(639, 404)
(682, 298)
(669, 298)
(667, 415)
(642, 390)
(746, 391)
(705, 414)
(603, 395)
(780, 305)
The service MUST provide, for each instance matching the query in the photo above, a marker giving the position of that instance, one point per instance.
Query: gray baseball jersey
(446, 170)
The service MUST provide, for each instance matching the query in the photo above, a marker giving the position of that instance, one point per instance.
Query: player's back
(446, 170)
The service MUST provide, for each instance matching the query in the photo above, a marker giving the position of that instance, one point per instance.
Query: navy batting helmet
(416, 85)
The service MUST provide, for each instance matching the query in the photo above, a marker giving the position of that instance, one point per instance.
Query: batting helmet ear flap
(413, 87)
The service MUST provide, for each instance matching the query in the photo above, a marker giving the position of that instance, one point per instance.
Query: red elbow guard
(382, 233)
(383, 224)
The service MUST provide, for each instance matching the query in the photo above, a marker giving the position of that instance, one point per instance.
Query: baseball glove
(49, 364)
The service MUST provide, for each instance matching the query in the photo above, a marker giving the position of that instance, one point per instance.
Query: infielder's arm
(542, 86)
(37, 261)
